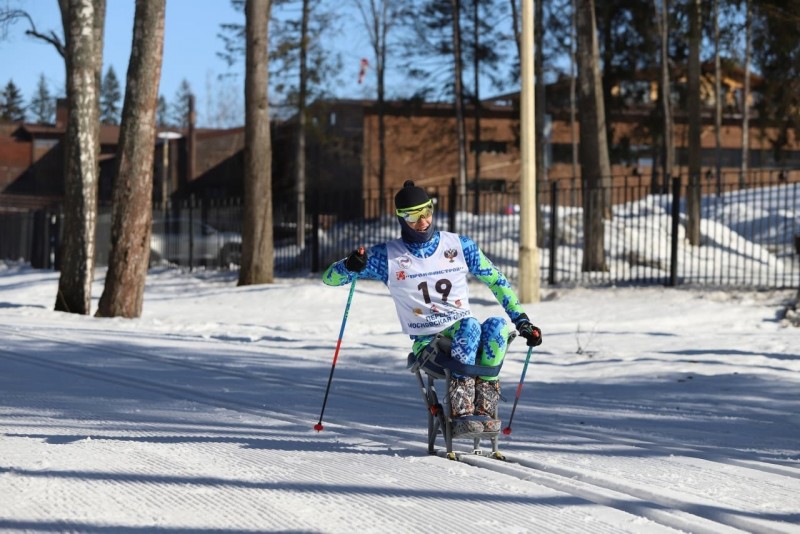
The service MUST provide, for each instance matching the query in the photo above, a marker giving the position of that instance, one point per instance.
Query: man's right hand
(356, 261)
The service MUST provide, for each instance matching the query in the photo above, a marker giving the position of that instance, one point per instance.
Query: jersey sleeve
(484, 270)
(377, 269)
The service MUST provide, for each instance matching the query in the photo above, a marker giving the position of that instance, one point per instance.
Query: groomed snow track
(561, 476)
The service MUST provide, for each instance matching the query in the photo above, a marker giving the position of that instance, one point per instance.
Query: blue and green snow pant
(473, 342)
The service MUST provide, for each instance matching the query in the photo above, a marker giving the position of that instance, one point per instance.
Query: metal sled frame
(435, 362)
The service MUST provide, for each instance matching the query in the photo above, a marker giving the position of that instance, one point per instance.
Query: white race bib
(429, 293)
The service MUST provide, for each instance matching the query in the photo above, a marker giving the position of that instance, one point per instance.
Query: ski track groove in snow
(602, 485)
(588, 480)
(440, 493)
(791, 469)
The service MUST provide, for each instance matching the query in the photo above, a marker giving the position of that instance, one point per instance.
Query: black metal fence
(748, 233)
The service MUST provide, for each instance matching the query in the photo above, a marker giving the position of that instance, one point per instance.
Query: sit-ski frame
(435, 361)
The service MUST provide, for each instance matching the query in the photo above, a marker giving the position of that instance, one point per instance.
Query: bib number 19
(442, 287)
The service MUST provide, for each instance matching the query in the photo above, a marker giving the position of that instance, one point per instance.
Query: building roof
(10, 202)
(109, 133)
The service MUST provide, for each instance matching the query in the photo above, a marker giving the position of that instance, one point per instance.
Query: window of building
(44, 144)
(490, 147)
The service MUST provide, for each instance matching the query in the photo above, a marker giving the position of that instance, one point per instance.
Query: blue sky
(190, 50)
(191, 45)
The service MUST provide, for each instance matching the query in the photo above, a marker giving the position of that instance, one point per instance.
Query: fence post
(553, 231)
(39, 246)
(676, 212)
(191, 232)
(797, 249)
(452, 200)
(315, 260)
(55, 238)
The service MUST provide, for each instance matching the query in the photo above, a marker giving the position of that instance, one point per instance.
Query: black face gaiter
(412, 236)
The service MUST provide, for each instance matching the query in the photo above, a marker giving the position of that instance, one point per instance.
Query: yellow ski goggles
(415, 213)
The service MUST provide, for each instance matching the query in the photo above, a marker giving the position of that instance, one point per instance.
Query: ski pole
(318, 427)
(507, 430)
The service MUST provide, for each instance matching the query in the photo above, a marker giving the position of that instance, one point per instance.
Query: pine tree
(181, 107)
(13, 106)
(110, 96)
(775, 53)
(162, 114)
(42, 104)
(289, 39)
(427, 48)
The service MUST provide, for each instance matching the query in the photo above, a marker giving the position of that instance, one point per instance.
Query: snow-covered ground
(645, 410)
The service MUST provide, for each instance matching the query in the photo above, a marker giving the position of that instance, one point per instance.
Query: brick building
(342, 152)
(421, 144)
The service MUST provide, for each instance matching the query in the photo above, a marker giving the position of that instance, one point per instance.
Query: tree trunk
(477, 106)
(573, 122)
(257, 248)
(83, 23)
(378, 18)
(667, 139)
(540, 115)
(300, 176)
(515, 27)
(132, 210)
(748, 42)
(593, 146)
(693, 196)
(461, 130)
(717, 102)
(381, 31)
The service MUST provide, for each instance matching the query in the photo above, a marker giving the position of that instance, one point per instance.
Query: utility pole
(166, 182)
(529, 279)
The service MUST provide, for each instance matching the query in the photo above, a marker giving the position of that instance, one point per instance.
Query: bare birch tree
(83, 22)
(132, 208)
(257, 247)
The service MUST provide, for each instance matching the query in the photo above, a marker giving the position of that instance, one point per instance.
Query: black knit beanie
(410, 196)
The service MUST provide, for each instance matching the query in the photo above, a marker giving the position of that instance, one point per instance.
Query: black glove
(531, 333)
(356, 261)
